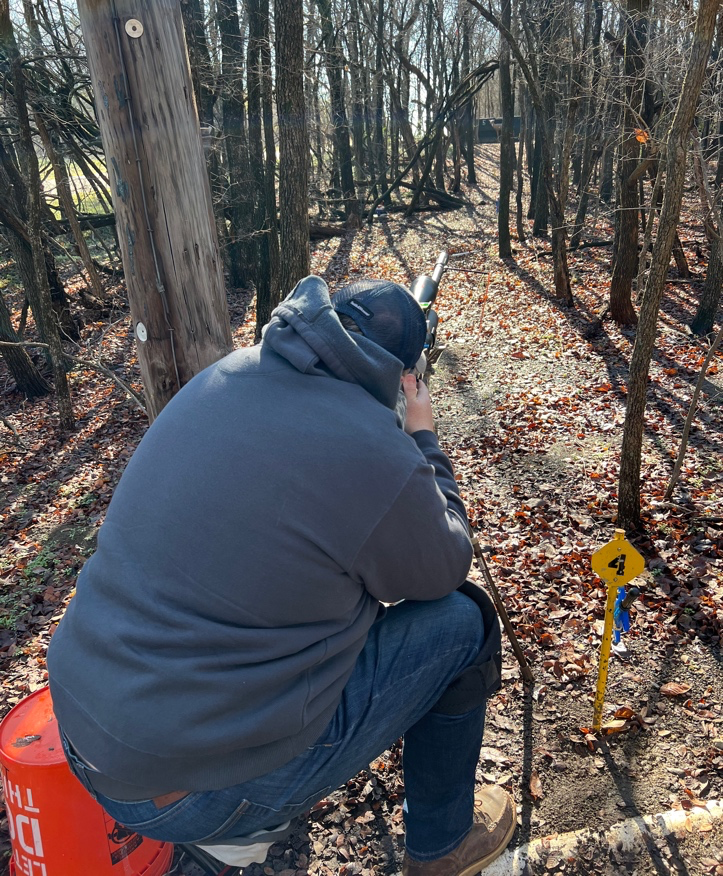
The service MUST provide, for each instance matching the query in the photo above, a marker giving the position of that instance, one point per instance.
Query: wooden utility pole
(161, 196)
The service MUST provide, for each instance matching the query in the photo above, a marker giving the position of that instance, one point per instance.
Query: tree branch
(85, 363)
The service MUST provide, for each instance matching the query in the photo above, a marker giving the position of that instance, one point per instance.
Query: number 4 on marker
(618, 563)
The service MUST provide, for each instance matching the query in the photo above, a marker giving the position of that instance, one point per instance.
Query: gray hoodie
(265, 514)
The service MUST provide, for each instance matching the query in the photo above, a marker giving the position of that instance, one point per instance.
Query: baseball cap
(387, 314)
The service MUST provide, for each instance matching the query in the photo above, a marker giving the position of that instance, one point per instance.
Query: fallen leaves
(674, 689)
(536, 786)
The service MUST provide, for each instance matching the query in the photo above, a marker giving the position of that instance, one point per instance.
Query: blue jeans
(410, 657)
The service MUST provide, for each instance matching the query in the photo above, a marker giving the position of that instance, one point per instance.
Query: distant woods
(318, 116)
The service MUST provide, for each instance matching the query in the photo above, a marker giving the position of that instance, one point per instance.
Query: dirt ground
(530, 399)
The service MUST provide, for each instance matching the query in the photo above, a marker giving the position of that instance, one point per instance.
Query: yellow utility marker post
(616, 563)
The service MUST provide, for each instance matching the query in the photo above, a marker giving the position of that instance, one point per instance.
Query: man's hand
(419, 405)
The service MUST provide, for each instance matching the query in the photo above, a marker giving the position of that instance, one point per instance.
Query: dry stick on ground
(18, 439)
(691, 413)
(501, 610)
(85, 363)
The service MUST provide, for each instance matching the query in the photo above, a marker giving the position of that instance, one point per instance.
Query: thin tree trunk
(240, 194)
(521, 232)
(468, 121)
(271, 225)
(507, 143)
(293, 143)
(379, 144)
(334, 67)
(262, 273)
(710, 297)
(628, 216)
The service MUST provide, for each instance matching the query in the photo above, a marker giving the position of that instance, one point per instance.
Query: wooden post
(161, 196)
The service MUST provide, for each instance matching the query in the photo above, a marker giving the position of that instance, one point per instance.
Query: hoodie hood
(305, 330)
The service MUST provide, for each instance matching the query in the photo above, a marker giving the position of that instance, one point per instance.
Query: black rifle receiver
(424, 290)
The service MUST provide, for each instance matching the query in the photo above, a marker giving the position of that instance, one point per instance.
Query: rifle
(424, 290)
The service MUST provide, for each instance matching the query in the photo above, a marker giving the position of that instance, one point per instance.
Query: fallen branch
(321, 232)
(18, 439)
(439, 196)
(85, 363)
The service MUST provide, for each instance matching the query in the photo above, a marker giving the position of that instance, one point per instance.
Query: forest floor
(530, 399)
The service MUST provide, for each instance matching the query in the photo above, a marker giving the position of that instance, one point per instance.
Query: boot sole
(475, 868)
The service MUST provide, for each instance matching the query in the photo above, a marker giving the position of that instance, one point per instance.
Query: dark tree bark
(592, 130)
(293, 144)
(628, 214)
(264, 221)
(199, 58)
(334, 68)
(629, 484)
(357, 73)
(468, 120)
(607, 173)
(379, 144)
(240, 195)
(267, 109)
(534, 158)
(28, 380)
(704, 318)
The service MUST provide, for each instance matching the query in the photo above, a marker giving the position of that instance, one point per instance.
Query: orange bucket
(56, 828)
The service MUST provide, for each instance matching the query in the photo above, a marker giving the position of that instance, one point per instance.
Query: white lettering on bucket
(25, 867)
(29, 801)
(24, 830)
(36, 848)
(12, 794)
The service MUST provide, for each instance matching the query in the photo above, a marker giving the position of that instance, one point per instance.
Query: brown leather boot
(495, 818)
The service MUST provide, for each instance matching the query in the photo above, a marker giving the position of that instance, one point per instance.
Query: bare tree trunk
(629, 485)
(507, 143)
(628, 215)
(272, 228)
(262, 275)
(334, 67)
(293, 144)
(240, 194)
(379, 144)
(704, 318)
(199, 58)
(521, 232)
(468, 120)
